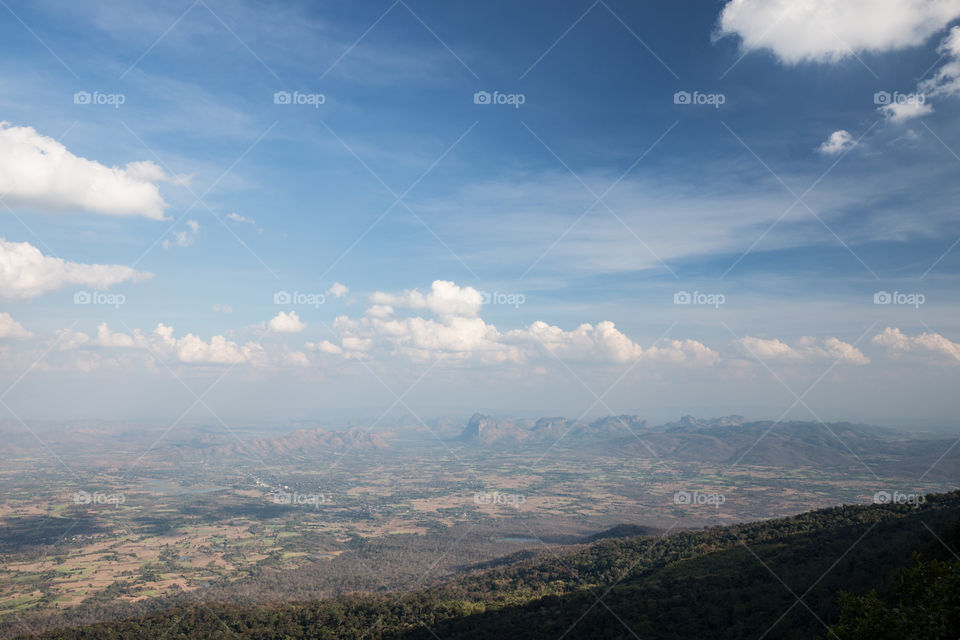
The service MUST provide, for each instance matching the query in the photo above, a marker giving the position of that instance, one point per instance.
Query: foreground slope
(778, 577)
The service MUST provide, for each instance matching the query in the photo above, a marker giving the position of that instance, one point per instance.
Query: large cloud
(826, 30)
(193, 349)
(840, 141)
(444, 298)
(38, 172)
(26, 273)
(806, 349)
(458, 333)
(10, 328)
(285, 322)
(925, 343)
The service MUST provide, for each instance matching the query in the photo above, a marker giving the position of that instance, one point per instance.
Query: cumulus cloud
(296, 359)
(829, 30)
(285, 322)
(325, 346)
(929, 343)
(805, 349)
(107, 338)
(445, 298)
(38, 172)
(194, 350)
(26, 273)
(451, 337)
(67, 339)
(148, 171)
(903, 111)
(183, 238)
(457, 332)
(946, 80)
(338, 290)
(839, 142)
(236, 217)
(10, 328)
(604, 343)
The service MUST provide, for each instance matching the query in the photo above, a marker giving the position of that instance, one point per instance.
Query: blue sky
(460, 248)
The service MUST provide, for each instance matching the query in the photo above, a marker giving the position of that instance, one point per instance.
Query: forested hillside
(782, 577)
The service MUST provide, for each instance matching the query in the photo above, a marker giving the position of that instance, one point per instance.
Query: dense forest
(882, 571)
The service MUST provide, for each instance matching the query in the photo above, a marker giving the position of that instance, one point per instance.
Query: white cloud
(444, 298)
(932, 343)
(806, 349)
(604, 343)
(903, 111)
(10, 328)
(839, 142)
(380, 311)
(148, 171)
(26, 273)
(296, 359)
(38, 172)
(458, 333)
(107, 338)
(67, 339)
(236, 217)
(829, 30)
(183, 238)
(285, 322)
(325, 346)
(193, 349)
(451, 337)
(338, 290)
(946, 81)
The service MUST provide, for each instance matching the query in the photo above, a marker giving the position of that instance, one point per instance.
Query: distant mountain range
(486, 430)
(728, 440)
(300, 443)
